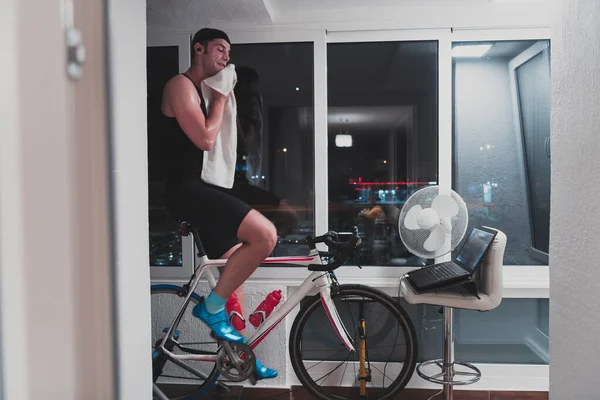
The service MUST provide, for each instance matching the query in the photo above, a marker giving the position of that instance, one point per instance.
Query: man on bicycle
(228, 227)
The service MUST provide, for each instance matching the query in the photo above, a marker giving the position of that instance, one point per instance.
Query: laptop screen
(474, 248)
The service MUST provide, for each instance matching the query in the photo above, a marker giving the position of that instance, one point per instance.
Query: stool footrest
(455, 377)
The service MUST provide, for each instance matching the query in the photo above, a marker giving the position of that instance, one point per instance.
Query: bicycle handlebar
(341, 250)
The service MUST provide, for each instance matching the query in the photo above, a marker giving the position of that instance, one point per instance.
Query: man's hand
(218, 97)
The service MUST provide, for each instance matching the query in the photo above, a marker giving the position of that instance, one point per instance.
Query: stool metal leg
(448, 354)
(448, 377)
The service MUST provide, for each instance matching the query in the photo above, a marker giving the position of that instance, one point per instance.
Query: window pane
(275, 100)
(165, 236)
(512, 333)
(516, 332)
(533, 84)
(383, 129)
(501, 144)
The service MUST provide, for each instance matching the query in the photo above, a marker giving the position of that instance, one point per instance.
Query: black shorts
(256, 197)
(216, 214)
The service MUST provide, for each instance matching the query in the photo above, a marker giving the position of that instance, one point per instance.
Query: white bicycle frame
(319, 279)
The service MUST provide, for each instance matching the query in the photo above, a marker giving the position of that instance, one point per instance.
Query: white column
(574, 216)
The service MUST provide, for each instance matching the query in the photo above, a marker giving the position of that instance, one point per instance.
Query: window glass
(275, 170)
(165, 236)
(502, 143)
(383, 137)
(513, 333)
(533, 85)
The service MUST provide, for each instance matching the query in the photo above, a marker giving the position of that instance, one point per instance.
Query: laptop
(458, 271)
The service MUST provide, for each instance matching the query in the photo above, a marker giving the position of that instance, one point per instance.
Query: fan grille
(414, 239)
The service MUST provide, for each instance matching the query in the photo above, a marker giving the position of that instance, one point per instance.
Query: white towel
(218, 167)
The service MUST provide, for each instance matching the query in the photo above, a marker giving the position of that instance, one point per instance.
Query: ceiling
(173, 13)
(169, 13)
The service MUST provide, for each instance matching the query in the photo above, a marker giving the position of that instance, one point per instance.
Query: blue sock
(214, 303)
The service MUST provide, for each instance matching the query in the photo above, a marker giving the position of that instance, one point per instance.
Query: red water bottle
(235, 314)
(264, 309)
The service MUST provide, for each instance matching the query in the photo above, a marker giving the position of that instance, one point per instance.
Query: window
(171, 255)
(165, 237)
(275, 168)
(516, 332)
(275, 175)
(512, 333)
(383, 130)
(501, 142)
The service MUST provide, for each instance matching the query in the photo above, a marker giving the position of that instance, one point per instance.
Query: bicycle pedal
(252, 379)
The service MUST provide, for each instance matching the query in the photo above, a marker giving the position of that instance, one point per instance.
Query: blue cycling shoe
(262, 372)
(219, 323)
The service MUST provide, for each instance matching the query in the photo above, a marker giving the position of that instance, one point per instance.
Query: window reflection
(501, 144)
(275, 165)
(382, 123)
(165, 237)
(516, 332)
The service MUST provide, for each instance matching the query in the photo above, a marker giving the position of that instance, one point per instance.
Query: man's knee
(258, 230)
(269, 236)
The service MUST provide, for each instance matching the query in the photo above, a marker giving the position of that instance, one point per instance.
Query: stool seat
(488, 283)
(488, 280)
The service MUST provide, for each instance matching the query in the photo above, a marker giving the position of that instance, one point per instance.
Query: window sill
(520, 281)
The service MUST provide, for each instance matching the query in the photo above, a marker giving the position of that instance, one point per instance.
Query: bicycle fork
(325, 283)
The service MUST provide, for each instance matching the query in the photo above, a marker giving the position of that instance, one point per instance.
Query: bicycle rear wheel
(193, 336)
(377, 369)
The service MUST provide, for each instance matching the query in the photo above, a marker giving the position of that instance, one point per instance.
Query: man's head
(211, 48)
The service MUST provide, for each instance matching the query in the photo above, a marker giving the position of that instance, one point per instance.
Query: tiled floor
(299, 393)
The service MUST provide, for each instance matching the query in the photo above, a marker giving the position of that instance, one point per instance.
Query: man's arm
(183, 102)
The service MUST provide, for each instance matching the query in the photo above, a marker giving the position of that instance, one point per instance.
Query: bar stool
(488, 279)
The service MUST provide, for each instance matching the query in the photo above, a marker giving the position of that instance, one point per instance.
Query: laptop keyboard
(442, 271)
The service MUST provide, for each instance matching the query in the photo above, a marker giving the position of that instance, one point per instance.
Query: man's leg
(239, 292)
(259, 237)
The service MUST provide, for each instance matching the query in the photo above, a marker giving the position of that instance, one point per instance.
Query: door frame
(55, 261)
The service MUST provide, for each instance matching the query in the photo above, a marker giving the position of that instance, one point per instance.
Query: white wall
(574, 228)
(272, 351)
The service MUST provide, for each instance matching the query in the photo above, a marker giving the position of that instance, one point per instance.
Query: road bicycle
(348, 341)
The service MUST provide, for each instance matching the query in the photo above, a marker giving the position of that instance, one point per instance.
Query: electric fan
(432, 222)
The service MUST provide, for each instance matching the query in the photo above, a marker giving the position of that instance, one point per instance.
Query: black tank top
(182, 157)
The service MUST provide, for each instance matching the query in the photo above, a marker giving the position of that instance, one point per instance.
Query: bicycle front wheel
(377, 369)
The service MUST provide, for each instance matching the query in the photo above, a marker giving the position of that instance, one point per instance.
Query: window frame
(383, 273)
(525, 281)
(316, 37)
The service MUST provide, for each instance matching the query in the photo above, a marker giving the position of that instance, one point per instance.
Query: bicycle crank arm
(233, 357)
(235, 361)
